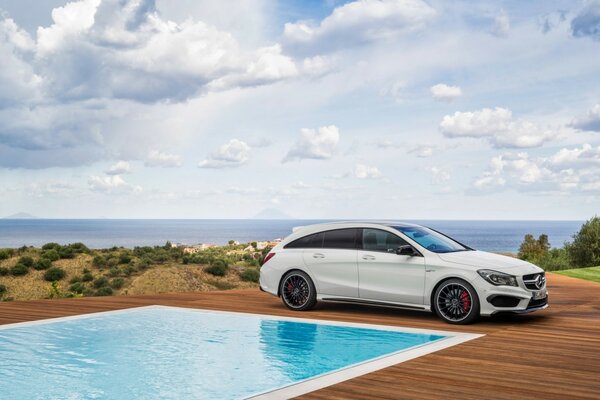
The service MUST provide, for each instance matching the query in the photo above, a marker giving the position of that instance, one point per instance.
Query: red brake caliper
(466, 301)
(290, 286)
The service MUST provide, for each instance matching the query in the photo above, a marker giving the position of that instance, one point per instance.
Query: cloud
(501, 24)
(316, 144)
(119, 168)
(112, 185)
(588, 122)
(358, 22)
(422, 151)
(362, 171)
(232, 154)
(439, 176)
(587, 22)
(394, 90)
(443, 92)
(497, 126)
(159, 159)
(567, 171)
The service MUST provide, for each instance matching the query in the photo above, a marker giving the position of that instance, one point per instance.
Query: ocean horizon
(487, 235)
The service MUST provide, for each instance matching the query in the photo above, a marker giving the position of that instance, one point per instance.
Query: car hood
(483, 260)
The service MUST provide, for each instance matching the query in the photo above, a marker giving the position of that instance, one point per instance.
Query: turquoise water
(102, 233)
(173, 353)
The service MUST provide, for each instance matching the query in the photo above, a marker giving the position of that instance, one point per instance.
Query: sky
(395, 109)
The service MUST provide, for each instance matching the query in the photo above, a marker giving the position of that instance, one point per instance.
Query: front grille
(535, 281)
(537, 303)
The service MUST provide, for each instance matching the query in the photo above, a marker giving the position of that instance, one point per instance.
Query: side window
(378, 240)
(340, 239)
(307, 242)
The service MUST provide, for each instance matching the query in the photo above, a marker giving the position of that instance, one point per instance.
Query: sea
(498, 236)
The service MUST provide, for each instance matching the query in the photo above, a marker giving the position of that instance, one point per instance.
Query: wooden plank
(553, 354)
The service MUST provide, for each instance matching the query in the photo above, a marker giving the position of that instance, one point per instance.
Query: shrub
(112, 262)
(129, 270)
(99, 262)
(87, 277)
(26, 261)
(87, 292)
(75, 279)
(117, 283)
(66, 252)
(144, 263)
(104, 291)
(51, 246)
(250, 275)
(79, 248)
(218, 268)
(124, 258)
(114, 271)
(585, 249)
(6, 253)
(42, 263)
(77, 287)
(54, 274)
(19, 270)
(3, 290)
(100, 282)
(4, 271)
(532, 249)
(51, 255)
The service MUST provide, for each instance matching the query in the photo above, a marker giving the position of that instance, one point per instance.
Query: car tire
(298, 291)
(455, 301)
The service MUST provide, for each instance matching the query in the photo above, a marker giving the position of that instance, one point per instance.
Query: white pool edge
(318, 382)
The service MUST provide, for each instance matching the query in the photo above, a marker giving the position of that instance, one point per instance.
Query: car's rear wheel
(297, 291)
(456, 302)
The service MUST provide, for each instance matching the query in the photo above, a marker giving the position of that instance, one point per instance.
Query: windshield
(430, 239)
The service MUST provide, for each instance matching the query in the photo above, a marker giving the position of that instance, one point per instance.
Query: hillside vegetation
(56, 271)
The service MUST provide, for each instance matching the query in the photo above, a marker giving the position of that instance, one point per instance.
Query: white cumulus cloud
(362, 171)
(119, 168)
(498, 127)
(317, 144)
(443, 92)
(160, 159)
(358, 22)
(112, 185)
(232, 154)
(589, 121)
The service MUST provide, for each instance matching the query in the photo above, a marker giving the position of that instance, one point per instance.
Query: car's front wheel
(297, 291)
(456, 302)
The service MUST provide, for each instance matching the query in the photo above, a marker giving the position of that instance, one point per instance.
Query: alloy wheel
(296, 291)
(454, 302)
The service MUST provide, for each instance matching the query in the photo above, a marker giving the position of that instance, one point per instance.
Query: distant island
(21, 215)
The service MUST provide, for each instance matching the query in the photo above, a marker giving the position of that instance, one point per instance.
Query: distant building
(197, 248)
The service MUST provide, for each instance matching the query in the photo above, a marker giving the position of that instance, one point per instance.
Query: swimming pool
(161, 352)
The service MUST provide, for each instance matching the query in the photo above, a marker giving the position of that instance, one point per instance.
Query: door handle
(318, 255)
(368, 257)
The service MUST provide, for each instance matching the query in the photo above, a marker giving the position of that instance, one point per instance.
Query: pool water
(177, 353)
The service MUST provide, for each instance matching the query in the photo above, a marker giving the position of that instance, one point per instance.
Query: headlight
(498, 278)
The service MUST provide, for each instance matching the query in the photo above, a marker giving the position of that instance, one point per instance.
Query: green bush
(79, 248)
(54, 274)
(51, 246)
(4, 271)
(3, 290)
(532, 249)
(114, 271)
(77, 287)
(129, 270)
(87, 292)
(218, 268)
(250, 275)
(117, 283)
(75, 279)
(66, 252)
(87, 277)
(42, 263)
(144, 263)
(100, 282)
(26, 261)
(124, 258)
(19, 270)
(99, 261)
(585, 249)
(51, 255)
(6, 253)
(104, 291)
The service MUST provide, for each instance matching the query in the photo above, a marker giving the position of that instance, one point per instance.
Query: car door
(333, 263)
(385, 275)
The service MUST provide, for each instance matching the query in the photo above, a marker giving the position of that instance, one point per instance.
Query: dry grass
(155, 279)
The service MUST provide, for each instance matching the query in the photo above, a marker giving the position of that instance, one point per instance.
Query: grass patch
(221, 285)
(589, 273)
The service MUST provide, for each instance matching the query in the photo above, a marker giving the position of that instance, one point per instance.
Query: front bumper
(510, 299)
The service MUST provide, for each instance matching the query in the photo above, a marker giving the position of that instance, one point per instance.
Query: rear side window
(314, 241)
(340, 239)
(379, 240)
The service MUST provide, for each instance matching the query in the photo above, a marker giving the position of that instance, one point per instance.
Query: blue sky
(400, 109)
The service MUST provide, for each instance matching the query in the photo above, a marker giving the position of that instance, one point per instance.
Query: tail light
(267, 258)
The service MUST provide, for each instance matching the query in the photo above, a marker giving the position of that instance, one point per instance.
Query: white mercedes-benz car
(399, 265)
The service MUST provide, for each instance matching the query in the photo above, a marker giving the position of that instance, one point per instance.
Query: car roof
(301, 231)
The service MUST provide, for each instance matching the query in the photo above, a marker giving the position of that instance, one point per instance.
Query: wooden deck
(552, 354)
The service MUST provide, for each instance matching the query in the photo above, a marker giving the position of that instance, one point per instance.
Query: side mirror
(406, 250)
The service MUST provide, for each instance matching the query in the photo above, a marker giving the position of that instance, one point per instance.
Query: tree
(532, 249)
(585, 249)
